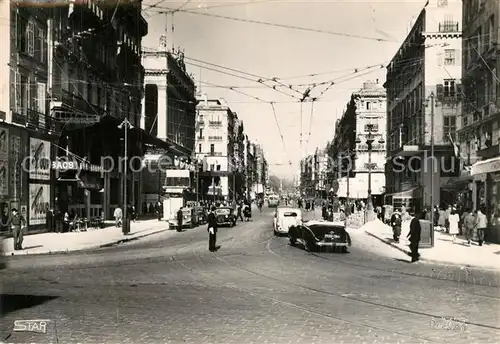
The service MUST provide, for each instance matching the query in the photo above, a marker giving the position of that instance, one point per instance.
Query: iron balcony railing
(449, 27)
(33, 119)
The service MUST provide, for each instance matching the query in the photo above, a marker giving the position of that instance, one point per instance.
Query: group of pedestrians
(460, 221)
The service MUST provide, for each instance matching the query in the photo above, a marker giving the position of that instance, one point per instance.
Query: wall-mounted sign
(39, 159)
(65, 165)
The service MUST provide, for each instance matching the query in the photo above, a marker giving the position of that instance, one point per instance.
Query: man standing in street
(481, 224)
(16, 224)
(396, 225)
(414, 237)
(212, 230)
(179, 219)
(239, 208)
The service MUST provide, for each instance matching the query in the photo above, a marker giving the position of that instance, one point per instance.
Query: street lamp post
(370, 138)
(125, 224)
(432, 169)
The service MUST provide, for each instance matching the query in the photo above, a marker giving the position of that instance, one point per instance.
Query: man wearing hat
(16, 224)
(396, 221)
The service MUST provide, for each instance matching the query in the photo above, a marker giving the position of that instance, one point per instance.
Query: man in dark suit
(414, 236)
(212, 230)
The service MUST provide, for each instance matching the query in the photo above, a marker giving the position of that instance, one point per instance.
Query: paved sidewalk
(444, 250)
(47, 243)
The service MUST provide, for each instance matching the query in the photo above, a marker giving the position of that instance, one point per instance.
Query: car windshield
(223, 211)
(321, 230)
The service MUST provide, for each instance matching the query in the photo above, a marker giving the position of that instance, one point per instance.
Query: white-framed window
(31, 38)
(368, 105)
(449, 88)
(41, 43)
(450, 127)
(41, 96)
(450, 57)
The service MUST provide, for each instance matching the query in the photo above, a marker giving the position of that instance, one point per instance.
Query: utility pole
(125, 224)
(432, 169)
(197, 177)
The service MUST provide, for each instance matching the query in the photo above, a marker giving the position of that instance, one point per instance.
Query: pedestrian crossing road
(255, 289)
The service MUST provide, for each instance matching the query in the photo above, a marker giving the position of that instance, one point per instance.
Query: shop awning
(486, 166)
(415, 192)
(458, 182)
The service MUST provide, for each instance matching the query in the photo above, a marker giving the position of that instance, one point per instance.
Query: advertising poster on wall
(39, 203)
(39, 159)
(16, 166)
(4, 162)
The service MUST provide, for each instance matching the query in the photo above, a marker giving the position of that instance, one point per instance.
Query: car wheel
(308, 246)
(344, 249)
(293, 241)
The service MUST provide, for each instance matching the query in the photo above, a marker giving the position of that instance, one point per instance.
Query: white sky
(269, 51)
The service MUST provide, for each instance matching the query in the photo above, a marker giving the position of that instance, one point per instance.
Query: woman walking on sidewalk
(454, 219)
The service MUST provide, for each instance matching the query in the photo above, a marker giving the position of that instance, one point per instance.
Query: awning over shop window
(486, 166)
(415, 192)
(457, 183)
(358, 186)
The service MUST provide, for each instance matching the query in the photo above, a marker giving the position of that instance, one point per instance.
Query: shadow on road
(12, 302)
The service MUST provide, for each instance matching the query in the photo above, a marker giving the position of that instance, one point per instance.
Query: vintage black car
(320, 235)
(225, 216)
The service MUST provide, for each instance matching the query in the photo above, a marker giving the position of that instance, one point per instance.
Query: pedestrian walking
(481, 224)
(212, 230)
(16, 223)
(469, 225)
(239, 210)
(49, 220)
(179, 219)
(414, 237)
(118, 214)
(454, 219)
(396, 221)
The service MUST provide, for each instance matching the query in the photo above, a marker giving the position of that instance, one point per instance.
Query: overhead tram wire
(285, 26)
(260, 78)
(280, 133)
(310, 123)
(239, 76)
(275, 118)
(199, 8)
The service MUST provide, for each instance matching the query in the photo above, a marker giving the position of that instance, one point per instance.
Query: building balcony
(489, 152)
(215, 138)
(215, 123)
(214, 154)
(35, 120)
(448, 27)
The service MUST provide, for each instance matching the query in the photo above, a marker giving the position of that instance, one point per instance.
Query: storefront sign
(39, 203)
(486, 166)
(65, 165)
(4, 162)
(39, 159)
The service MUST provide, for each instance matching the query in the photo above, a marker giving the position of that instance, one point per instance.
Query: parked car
(273, 201)
(317, 235)
(201, 215)
(284, 218)
(225, 216)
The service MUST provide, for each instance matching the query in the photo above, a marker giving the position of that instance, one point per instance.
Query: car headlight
(227, 216)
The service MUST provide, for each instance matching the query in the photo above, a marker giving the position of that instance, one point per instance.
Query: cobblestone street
(255, 289)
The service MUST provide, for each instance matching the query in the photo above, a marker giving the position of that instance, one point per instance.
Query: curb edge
(90, 248)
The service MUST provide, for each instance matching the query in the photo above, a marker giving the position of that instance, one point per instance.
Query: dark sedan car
(318, 235)
(225, 216)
